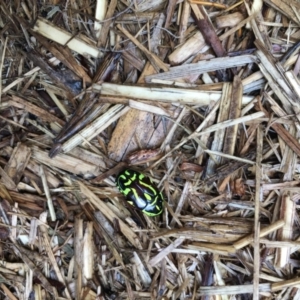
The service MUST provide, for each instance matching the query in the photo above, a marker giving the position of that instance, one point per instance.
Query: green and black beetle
(140, 191)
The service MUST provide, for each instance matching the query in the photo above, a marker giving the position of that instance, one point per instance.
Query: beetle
(140, 191)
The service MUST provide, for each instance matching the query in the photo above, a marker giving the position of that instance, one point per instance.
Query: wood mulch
(203, 97)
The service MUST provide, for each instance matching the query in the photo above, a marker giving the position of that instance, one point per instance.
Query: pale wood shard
(192, 46)
(229, 20)
(95, 127)
(184, 19)
(54, 33)
(203, 67)
(18, 102)
(102, 31)
(48, 196)
(166, 94)
(144, 275)
(217, 144)
(67, 163)
(100, 11)
(288, 214)
(18, 162)
(234, 112)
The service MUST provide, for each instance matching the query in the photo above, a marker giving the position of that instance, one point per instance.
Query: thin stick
(267, 230)
(47, 193)
(258, 194)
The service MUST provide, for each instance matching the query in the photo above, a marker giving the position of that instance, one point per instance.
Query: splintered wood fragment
(136, 130)
(110, 215)
(182, 200)
(7, 181)
(85, 111)
(218, 140)
(208, 121)
(163, 253)
(278, 82)
(95, 127)
(277, 286)
(142, 271)
(58, 77)
(104, 229)
(24, 255)
(221, 237)
(64, 54)
(133, 60)
(223, 171)
(234, 112)
(232, 290)
(228, 156)
(287, 213)
(66, 162)
(263, 232)
(106, 24)
(228, 123)
(155, 60)
(184, 19)
(294, 82)
(52, 180)
(208, 3)
(4, 194)
(259, 29)
(229, 20)
(203, 66)
(149, 108)
(57, 34)
(274, 69)
(18, 162)
(87, 253)
(286, 105)
(138, 17)
(101, 7)
(172, 130)
(78, 255)
(287, 208)
(50, 254)
(35, 110)
(285, 7)
(170, 12)
(192, 46)
(47, 193)
(17, 81)
(165, 94)
(291, 141)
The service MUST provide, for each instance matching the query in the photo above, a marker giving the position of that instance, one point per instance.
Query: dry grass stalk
(173, 95)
